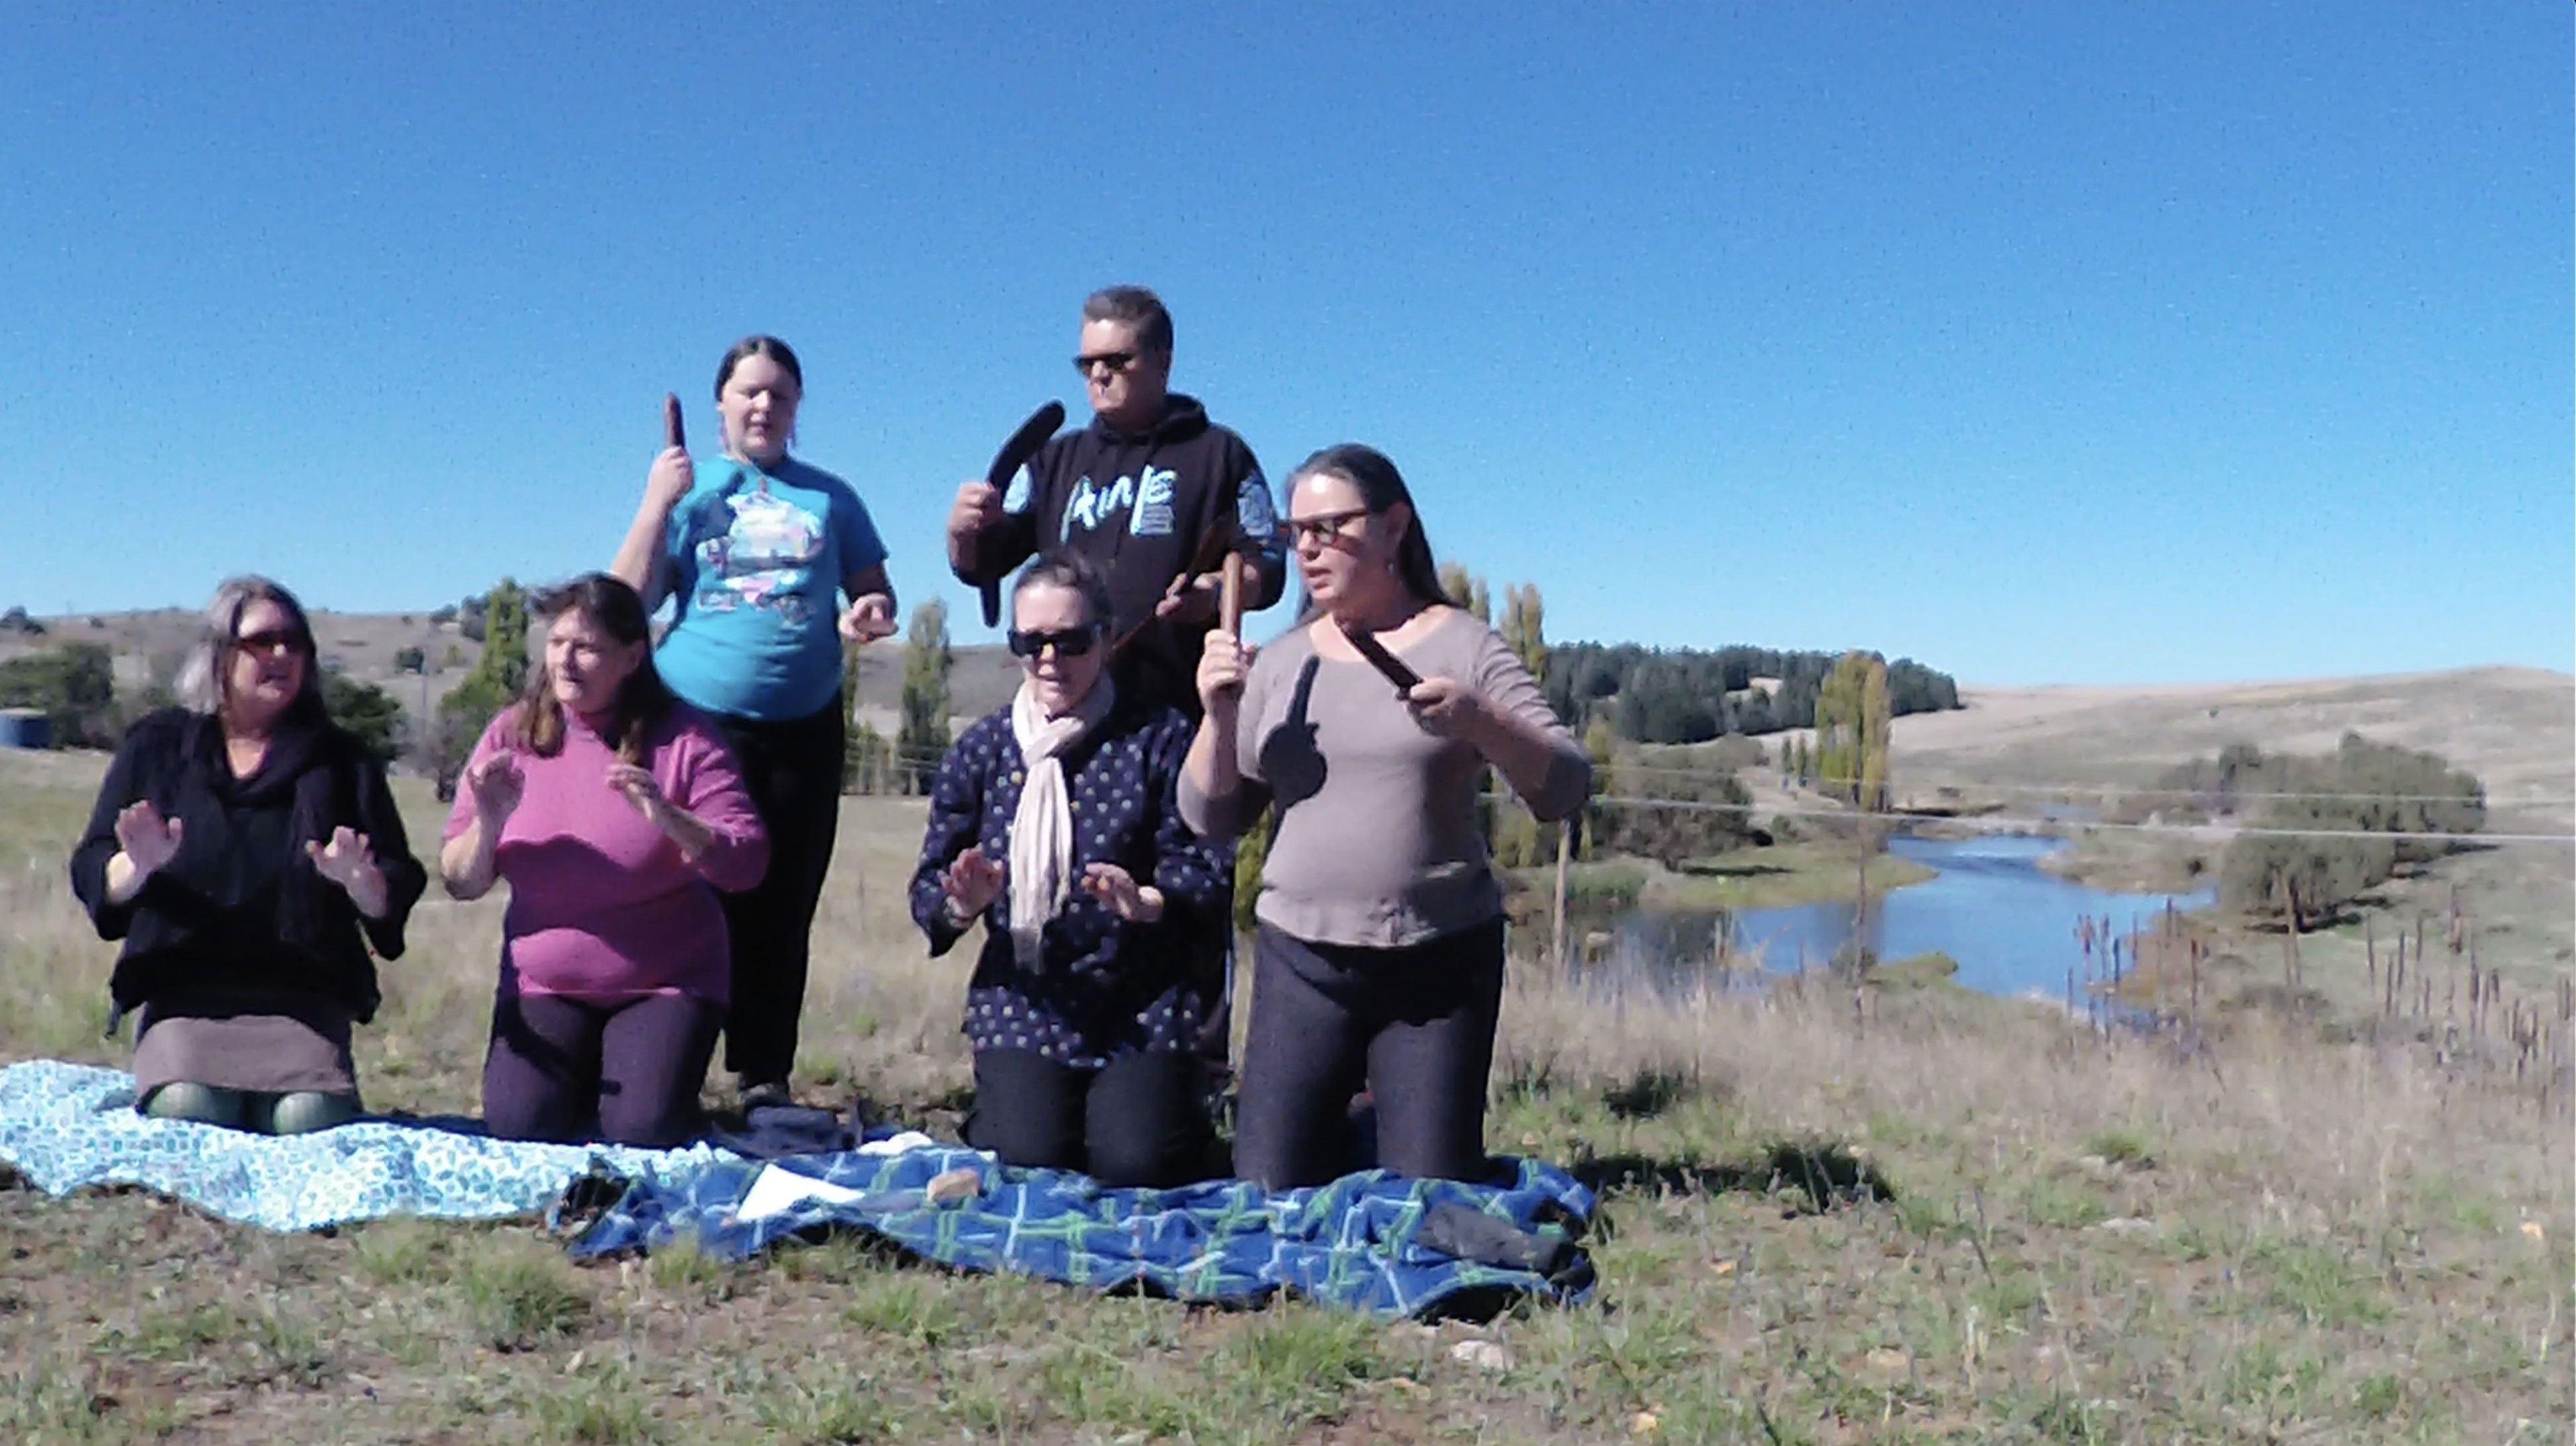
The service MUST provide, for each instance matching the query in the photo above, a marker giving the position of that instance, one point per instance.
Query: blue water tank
(25, 728)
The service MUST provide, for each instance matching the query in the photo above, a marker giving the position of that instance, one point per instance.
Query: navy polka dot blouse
(1103, 987)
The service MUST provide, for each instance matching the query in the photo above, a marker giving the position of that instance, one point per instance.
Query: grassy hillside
(1827, 1219)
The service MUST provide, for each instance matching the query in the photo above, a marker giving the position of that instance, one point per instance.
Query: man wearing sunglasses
(1149, 493)
(1152, 493)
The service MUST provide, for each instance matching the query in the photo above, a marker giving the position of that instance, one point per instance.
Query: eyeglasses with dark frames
(1323, 528)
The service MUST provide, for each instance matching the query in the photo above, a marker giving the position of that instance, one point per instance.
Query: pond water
(2009, 923)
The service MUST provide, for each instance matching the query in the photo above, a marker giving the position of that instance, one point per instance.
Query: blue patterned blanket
(1371, 1241)
(68, 1126)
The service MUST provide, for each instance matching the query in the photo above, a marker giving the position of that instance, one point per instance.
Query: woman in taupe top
(1380, 952)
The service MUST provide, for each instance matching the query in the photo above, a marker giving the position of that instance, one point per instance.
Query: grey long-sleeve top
(1377, 841)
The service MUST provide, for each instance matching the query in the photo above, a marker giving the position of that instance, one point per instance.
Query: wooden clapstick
(1229, 597)
(674, 432)
(1404, 678)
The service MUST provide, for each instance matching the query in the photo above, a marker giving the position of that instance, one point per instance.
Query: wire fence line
(2119, 790)
(919, 758)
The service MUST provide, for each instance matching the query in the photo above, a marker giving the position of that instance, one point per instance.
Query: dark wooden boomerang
(1033, 434)
(673, 433)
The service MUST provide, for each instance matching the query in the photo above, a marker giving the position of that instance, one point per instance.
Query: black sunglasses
(275, 640)
(1070, 643)
(1116, 361)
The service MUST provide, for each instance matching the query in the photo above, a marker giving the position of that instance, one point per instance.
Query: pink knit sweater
(602, 905)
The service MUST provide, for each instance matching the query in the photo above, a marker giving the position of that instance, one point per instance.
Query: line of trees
(1687, 695)
(2361, 788)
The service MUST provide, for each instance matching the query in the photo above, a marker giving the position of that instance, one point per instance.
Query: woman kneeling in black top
(1054, 820)
(248, 852)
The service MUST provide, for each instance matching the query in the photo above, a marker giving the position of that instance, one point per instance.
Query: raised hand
(1189, 599)
(148, 840)
(642, 790)
(978, 506)
(672, 476)
(347, 860)
(1117, 889)
(1224, 662)
(973, 882)
(869, 618)
(1446, 707)
(496, 784)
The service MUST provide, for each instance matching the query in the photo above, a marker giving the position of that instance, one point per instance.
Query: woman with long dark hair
(1379, 957)
(248, 853)
(616, 813)
(1054, 820)
(754, 547)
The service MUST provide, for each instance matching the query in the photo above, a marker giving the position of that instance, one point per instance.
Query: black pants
(1137, 1120)
(1416, 1024)
(793, 773)
(564, 1070)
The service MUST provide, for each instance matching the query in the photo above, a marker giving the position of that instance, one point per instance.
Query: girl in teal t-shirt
(757, 550)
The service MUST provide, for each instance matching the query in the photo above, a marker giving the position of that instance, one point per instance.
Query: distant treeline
(1686, 695)
(2360, 789)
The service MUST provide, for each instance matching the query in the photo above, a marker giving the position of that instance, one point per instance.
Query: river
(2009, 923)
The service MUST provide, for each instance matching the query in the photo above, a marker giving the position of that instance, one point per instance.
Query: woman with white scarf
(1056, 820)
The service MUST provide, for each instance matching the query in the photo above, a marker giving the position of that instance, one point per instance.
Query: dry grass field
(1826, 1219)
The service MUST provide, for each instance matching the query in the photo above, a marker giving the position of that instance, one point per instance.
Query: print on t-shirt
(762, 560)
(1145, 496)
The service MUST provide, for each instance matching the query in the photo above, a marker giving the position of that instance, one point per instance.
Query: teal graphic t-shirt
(756, 568)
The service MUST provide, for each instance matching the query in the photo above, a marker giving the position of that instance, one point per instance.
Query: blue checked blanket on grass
(1372, 1241)
(67, 1126)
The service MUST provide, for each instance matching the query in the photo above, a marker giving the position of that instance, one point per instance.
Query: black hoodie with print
(1138, 506)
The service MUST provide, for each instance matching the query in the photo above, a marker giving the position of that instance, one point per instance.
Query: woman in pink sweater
(615, 812)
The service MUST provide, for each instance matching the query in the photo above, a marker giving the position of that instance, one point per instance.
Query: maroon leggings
(566, 1070)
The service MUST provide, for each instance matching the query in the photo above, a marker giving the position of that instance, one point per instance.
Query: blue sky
(2080, 343)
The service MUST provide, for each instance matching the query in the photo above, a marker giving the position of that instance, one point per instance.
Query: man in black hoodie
(1152, 492)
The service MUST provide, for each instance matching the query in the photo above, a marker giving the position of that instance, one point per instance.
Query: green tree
(922, 737)
(367, 711)
(1601, 745)
(1524, 627)
(73, 685)
(1467, 590)
(498, 677)
(1684, 815)
(1852, 731)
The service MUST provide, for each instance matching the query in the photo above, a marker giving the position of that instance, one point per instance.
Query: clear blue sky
(2044, 343)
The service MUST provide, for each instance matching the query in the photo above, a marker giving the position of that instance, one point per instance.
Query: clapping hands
(973, 882)
(148, 840)
(348, 860)
(869, 618)
(1118, 892)
(496, 786)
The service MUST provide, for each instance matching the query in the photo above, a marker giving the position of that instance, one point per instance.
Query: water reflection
(2010, 924)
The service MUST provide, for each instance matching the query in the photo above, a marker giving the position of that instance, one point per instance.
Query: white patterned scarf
(1041, 876)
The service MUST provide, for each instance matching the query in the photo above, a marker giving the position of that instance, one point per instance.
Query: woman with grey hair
(1055, 821)
(248, 853)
